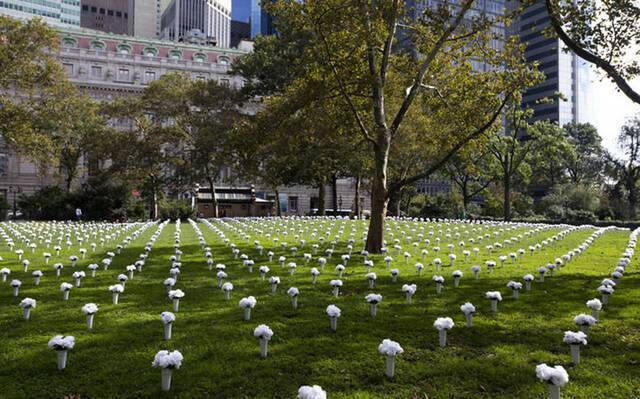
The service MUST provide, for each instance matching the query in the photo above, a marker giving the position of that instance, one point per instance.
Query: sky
(610, 109)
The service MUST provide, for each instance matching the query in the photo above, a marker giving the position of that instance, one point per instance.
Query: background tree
(584, 164)
(148, 152)
(471, 171)
(214, 110)
(627, 168)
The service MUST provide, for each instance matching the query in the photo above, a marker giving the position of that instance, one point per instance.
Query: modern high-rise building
(566, 74)
(112, 16)
(261, 22)
(198, 21)
(64, 13)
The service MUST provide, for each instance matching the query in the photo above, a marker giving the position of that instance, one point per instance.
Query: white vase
(78, 283)
(456, 281)
(554, 392)
(334, 323)
(130, 275)
(16, 291)
(594, 313)
(264, 347)
(247, 313)
(409, 298)
(37, 282)
(542, 277)
(166, 379)
(374, 309)
(438, 288)
(114, 298)
(26, 313)
(314, 278)
(227, 295)
(65, 295)
(90, 321)
(294, 301)
(494, 305)
(391, 366)
(62, 359)
(336, 291)
(57, 272)
(372, 283)
(527, 285)
(516, 293)
(575, 353)
(469, 317)
(167, 331)
(585, 329)
(475, 274)
(93, 273)
(442, 338)
(274, 288)
(605, 299)
(176, 305)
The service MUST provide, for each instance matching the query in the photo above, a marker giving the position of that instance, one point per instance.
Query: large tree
(627, 169)
(352, 53)
(584, 164)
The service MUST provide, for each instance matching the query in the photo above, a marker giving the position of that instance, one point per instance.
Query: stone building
(105, 66)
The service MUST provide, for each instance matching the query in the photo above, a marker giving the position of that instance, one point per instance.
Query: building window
(68, 68)
(223, 60)
(96, 71)
(4, 164)
(293, 204)
(124, 49)
(123, 74)
(110, 13)
(69, 42)
(149, 76)
(96, 45)
(102, 11)
(94, 9)
(150, 52)
(175, 54)
(199, 57)
(119, 14)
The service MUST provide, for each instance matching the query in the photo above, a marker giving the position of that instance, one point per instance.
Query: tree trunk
(507, 197)
(334, 194)
(214, 201)
(466, 198)
(633, 199)
(379, 198)
(322, 192)
(278, 209)
(154, 203)
(357, 209)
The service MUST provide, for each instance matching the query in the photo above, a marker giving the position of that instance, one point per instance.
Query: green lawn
(494, 359)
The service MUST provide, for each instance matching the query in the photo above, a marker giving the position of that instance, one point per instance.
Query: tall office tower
(198, 21)
(565, 73)
(261, 22)
(64, 13)
(147, 18)
(112, 16)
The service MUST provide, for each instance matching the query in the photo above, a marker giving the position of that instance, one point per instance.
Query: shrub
(175, 209)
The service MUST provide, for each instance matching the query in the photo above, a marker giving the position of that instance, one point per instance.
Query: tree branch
(401, 183)
(617, 78)
(429, 58)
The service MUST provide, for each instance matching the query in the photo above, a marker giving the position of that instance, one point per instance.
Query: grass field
(494, 359)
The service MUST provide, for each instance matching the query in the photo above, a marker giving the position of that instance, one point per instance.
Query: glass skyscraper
(261, 22)
(64, 13)
(565, 73)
